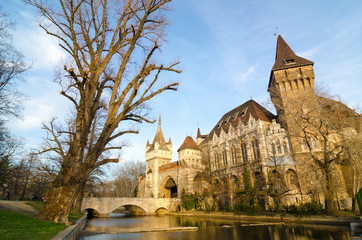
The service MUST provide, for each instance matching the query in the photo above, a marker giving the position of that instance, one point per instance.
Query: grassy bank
(25, 227)
(17, 223)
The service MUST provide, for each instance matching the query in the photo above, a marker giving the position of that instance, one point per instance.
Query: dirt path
(17, 206)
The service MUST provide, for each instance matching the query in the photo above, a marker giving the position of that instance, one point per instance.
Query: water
(209, 229)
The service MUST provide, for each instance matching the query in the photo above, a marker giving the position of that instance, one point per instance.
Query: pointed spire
(198, 133)
(286, 58)
(148, 143)
(159, 139)
(169, 141)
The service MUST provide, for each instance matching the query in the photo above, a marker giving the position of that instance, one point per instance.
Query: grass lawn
(25, 227)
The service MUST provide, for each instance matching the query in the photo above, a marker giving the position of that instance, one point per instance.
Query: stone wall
(72, 232)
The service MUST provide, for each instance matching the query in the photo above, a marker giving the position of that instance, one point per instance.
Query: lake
(119, 225)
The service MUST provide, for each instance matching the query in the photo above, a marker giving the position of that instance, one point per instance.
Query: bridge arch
(134, 209)
(92, 212)
(161, 211)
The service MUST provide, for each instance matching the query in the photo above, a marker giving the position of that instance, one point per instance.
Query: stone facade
(249, 140)
(248, 148)
(166, 179)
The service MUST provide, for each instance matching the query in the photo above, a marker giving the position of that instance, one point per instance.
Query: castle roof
(286, 58)
(159, 139)
(242, 114)
(189, 143)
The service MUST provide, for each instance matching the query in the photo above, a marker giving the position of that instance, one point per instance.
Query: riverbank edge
(322, 220)
(72, 232)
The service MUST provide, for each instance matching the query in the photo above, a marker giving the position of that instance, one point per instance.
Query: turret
(291, 77)
(189, 157)
(189, 154)
(157, 154)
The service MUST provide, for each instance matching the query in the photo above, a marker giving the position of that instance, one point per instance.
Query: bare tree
(111, 74)
(352, 158)
(317, 124)
(125, 183)
(11, 68)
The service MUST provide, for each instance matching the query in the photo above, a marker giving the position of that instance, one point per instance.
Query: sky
(226, 49)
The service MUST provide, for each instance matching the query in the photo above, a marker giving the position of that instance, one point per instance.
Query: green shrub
(293, 209)
(306, 208)
(190, 202)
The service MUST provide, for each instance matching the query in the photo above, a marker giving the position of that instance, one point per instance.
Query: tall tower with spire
(291, 77)
(158, 153)
(291, 85)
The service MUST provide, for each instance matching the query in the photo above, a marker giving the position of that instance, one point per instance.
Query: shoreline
(313, 219)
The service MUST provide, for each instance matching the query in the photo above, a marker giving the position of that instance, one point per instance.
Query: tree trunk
(80, 196)
(59, 203)
(330, 193)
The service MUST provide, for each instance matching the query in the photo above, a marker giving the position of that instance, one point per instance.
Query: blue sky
(226, 48)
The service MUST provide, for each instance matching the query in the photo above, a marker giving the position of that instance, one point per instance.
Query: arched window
(232, 155)
(315, 144)
(225, 158)
(244, 150)
(242, 153)
(256, 151)
(285, 147)
(235, 155)
(279, 148)
(292, 178)
(216, 160)
(273, 149)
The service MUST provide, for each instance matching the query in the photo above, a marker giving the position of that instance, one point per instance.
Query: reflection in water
(209, 229)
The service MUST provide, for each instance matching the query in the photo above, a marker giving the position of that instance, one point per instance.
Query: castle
(249, 147)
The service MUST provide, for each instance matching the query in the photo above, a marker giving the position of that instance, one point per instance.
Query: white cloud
(310, 53)
(40, 110)
(32, 41)
(133, 152)
(245, 76)
(39, 113)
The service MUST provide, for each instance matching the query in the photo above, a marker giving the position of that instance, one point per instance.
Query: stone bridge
(143, 206)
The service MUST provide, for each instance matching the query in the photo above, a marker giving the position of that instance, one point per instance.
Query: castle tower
(189, 157)
(157, 154)
(291, 88)
(291, 77)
